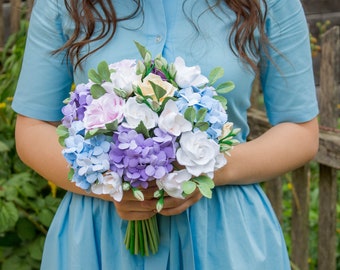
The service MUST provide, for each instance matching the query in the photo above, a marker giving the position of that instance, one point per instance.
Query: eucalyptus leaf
(225, 87)
(215, 74)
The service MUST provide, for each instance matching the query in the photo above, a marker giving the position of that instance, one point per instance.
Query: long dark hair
(85, 13)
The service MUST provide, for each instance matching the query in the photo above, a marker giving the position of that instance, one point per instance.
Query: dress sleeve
(45, 79)
(287, 74)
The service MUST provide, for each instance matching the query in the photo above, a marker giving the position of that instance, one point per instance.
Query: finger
(135, 215)
(177, 206)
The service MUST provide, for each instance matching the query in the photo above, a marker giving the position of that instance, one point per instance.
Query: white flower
(199, 154)
(172, 121)
(135, 112)
(125, 75)
(188, 76)
(172, 183)
(111, 184)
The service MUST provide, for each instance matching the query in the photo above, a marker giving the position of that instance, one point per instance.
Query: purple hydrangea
(75, 108)
(138, 160)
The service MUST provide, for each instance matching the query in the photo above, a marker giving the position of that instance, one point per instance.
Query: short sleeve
(287, 74)
(45, 79)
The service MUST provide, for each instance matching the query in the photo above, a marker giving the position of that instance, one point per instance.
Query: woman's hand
(131, 208)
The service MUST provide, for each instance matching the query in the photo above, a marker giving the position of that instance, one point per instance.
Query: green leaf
(94, 76)
(8, 215)
(25, 229)
(222, 100)
(97, 90)
(190, 114)
(62, 131)
(36, 248)
(104, 72)
(225, 87)
(141, 128)
(203, 179)
(3, 147)
(188, 187)
(202, 126)
(142, 50)
(215, 74)
(158, 90)
(201, 114)
(205, 190)
(45, 217)
(112, 126)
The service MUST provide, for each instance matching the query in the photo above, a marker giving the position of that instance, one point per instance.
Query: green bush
(27, 202)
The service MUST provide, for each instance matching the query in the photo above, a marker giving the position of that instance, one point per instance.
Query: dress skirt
(236, 229)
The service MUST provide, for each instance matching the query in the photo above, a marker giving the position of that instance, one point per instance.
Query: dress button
(158, 38)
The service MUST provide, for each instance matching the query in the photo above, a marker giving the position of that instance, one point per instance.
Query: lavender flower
(139, 160)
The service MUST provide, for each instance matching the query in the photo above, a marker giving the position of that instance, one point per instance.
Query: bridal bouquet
(133, 121)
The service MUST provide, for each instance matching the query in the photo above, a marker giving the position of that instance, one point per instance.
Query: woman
(237, 228)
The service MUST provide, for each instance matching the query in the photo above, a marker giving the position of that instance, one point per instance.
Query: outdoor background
(306, 200)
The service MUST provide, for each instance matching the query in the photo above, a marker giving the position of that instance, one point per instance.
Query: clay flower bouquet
(133, 120)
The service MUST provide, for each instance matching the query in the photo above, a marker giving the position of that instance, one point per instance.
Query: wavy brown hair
(86, 13)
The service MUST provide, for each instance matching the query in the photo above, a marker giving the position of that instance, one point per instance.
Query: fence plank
(328, 99)
(273, 190)
(300, 217)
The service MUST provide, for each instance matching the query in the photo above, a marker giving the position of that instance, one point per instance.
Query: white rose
(172, 183)
(188, 76)
(172, 121)
(199, 154)
(135, 112)
(111, 184)
(125, 75)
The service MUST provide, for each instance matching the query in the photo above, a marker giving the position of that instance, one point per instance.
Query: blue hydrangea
(203, 98)
(88, 158)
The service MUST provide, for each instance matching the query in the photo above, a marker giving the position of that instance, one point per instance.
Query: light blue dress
(237, 228)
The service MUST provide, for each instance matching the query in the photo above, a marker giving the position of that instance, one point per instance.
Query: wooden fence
(328, 159)
(328, 156)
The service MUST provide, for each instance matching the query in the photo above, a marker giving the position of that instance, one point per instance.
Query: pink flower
(104, 110)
